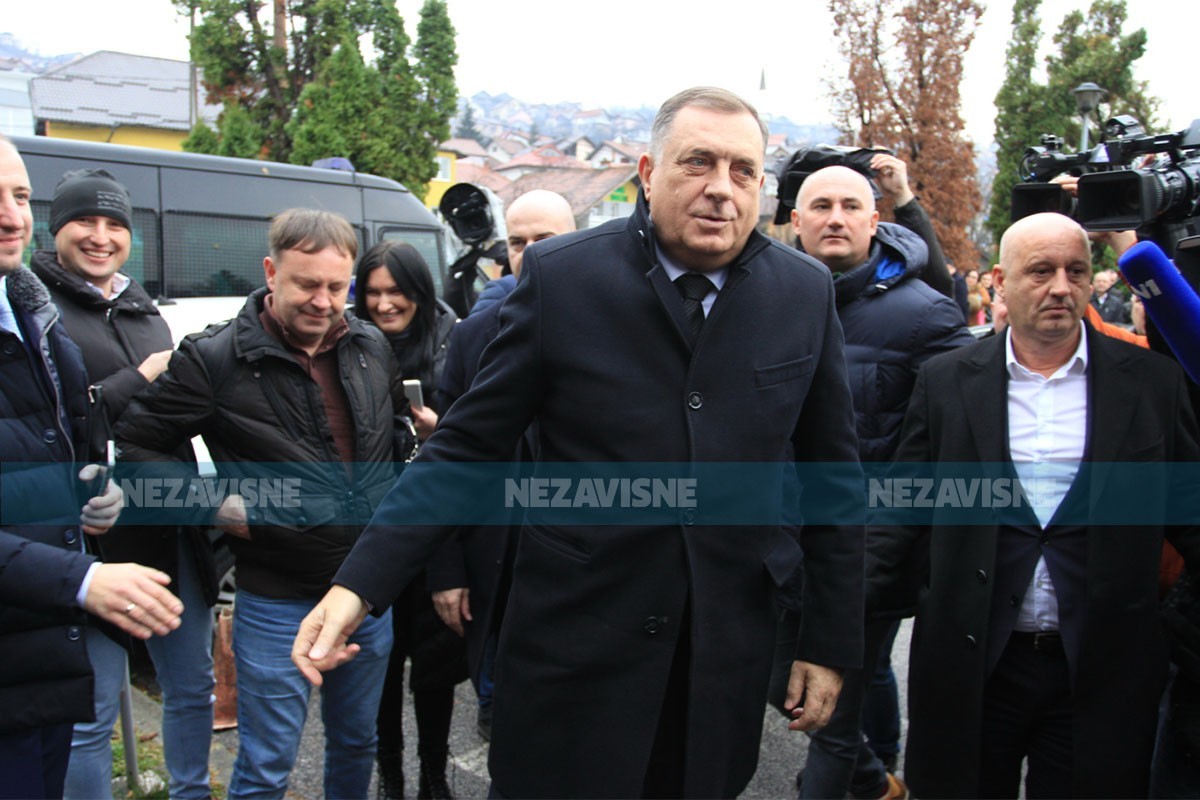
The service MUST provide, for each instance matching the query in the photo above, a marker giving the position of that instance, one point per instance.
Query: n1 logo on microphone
(1147, 290)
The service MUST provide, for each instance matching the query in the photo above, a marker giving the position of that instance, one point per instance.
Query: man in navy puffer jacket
(893, 323)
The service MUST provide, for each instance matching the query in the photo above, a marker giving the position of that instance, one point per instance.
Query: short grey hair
(710, 97)
(311, 231)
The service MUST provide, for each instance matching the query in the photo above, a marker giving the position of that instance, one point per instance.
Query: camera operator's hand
(1119, 241)
(891, 174)
(1069, 183)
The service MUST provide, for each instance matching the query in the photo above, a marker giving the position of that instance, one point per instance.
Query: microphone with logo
(1171, 302)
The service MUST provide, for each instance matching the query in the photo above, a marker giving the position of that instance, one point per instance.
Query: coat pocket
(558, 541)
(782, 373)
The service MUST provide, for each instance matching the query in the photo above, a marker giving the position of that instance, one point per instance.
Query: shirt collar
(1075, 365)
(717, 276)
(120, 282)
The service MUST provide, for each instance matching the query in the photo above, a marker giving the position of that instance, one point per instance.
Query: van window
(143, 248)
(212, 256)
(427, 244)
(208, 255)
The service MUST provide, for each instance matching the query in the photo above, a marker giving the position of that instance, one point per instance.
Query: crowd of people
(612, 655)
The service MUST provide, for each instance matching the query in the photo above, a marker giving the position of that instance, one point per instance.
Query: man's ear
(269, 271)
(645, 168)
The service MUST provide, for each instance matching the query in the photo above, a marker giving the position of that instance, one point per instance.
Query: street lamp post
(1087, 97)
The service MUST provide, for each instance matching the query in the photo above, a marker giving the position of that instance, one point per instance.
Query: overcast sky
(627, 52)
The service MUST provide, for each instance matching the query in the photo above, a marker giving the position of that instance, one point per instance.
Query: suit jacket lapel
(984, 387)
(1112, 397)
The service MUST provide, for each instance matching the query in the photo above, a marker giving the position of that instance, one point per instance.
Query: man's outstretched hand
(321, 643)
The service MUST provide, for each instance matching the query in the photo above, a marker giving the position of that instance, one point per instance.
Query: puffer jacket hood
(897, 255)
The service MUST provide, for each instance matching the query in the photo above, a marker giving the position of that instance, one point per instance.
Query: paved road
(782, 752)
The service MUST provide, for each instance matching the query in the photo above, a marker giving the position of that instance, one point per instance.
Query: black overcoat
(593, 344)
(1138, 411)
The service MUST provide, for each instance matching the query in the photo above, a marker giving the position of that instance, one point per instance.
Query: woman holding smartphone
(394, 290)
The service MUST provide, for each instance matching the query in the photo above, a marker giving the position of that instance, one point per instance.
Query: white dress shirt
(1047, 432)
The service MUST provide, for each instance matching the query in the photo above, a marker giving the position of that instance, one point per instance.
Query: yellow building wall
(132, 135)
(437, 187)
(627, 192)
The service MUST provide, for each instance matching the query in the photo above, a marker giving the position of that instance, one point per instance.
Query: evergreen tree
(241, 137)
(202, 139)
(1023, 113)
(434, 67)
(1093, 48)
(466, 126)
(393, 148)
(324, 123)
(299, 82)
(1090, 47)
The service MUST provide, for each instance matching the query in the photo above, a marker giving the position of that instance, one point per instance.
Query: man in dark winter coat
(893, 323)
(1039, 644)
(295, 385)
(46, 580)
(126, 345)
(633, 658)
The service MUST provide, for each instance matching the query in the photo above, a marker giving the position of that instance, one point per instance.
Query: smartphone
(412, 390)
(97, 484)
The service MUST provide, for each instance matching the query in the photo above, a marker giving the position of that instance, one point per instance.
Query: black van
(200, 222)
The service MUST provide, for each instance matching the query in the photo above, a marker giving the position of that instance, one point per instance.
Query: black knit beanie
(89, 193)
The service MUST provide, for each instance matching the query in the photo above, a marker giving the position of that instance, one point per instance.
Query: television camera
(1159, 196)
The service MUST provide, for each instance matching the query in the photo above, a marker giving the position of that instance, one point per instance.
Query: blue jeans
(487, 667)
(273, 700)
(183, 666)
(183, 663)
(89, 772)
(839, 760)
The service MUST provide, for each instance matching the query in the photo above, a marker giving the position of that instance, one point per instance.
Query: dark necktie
(693, 288)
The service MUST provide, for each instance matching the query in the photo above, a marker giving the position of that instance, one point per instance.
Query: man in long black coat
(1037, 631)
(633, 659)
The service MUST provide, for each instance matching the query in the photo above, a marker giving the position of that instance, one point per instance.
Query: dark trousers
(881, 706)
(1027, 714)
(413, 620)
(33, 763)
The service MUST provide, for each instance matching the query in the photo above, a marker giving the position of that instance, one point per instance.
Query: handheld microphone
(1171, 304)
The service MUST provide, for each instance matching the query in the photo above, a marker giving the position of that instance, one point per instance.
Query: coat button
(689, 516)
(73, 633)
(49, 436)
(1014, 601)
(650, 626)
(69, 536)
(695, 400)
(1044, 540)
(970, 642)
(10, 348)
(981, 575)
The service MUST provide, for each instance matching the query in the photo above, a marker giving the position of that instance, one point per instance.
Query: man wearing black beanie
(126, 345)
(87, 193)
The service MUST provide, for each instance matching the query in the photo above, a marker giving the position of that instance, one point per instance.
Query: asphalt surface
(781, 755)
